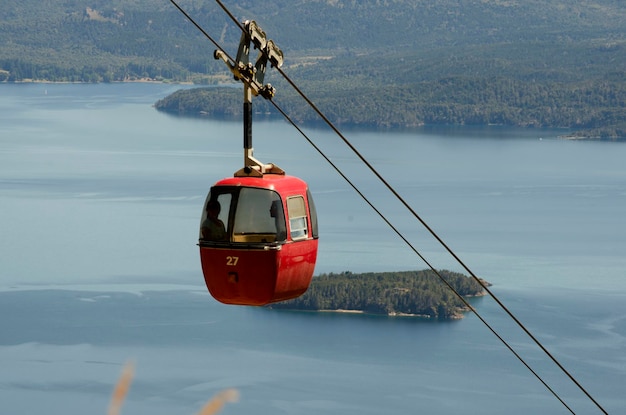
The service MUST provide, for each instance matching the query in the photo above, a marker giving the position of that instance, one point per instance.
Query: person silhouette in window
(212, 227)
(276, 211)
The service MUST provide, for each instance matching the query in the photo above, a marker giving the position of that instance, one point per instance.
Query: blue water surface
(101, 195)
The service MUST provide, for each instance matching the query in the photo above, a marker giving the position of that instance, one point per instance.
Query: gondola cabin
(258, 239)
(258, 232)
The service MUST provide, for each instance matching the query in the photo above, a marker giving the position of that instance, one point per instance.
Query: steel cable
(414, 214)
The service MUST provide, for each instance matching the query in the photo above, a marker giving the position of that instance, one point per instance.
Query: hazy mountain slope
(523, 62)
(432, 34)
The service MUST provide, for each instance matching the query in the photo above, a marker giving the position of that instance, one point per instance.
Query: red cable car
(258, 239)
(258, 233)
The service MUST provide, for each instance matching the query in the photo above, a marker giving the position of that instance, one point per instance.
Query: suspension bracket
(243, 70)
(253, 77)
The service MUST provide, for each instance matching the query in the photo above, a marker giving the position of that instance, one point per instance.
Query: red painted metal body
(247, 268)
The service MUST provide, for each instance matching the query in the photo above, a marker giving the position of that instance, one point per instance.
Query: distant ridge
(395, 41)
(384, 54)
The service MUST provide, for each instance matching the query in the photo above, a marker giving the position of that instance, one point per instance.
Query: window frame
(297, 212)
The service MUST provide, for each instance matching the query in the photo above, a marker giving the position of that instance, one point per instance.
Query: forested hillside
(597, 107)
(399, 41)
(407, 62)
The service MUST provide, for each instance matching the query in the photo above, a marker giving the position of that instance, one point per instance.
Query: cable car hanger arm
(252, 77)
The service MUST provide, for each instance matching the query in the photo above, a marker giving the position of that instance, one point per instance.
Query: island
(406, 293)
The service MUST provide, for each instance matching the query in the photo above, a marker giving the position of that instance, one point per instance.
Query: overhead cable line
(412, 211)
(419, 218)
(215, 43)
(401, 235)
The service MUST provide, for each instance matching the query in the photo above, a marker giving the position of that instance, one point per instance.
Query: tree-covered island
(407, 293)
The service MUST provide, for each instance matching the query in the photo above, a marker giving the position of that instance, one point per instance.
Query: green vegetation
(100, 41)
(597, 106)
(416, 293)
(543, 63)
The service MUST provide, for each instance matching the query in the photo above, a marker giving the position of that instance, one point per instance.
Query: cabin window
(243, 215)
(214, 223)
(313, 214)
(259, 216)
(296, 210)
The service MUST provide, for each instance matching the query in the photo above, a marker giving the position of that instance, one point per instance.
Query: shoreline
(135, 81)
(457, 313)
(577, 135)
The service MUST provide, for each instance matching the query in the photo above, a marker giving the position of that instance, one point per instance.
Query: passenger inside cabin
(276, 211)
(212, 228)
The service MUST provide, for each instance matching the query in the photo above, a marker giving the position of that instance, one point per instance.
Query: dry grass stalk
(120, 391)
(215, 405)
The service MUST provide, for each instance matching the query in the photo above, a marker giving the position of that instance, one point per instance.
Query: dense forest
(553, 63)
(597, 108)
(415, 293)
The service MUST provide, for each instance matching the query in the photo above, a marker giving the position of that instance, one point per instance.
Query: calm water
(100, 198)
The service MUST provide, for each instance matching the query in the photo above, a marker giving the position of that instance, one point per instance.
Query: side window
(277, 212)
(313, 213)
(214, 223)
(224, 200)
(296, 210)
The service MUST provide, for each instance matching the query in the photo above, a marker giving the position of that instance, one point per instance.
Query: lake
(101, 197)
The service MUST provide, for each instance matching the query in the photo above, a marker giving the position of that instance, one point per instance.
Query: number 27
(232, 260)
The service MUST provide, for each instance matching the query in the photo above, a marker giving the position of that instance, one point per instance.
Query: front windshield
(243, 214)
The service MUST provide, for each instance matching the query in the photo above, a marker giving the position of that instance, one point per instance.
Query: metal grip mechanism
(243, 70)
(252, 77)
